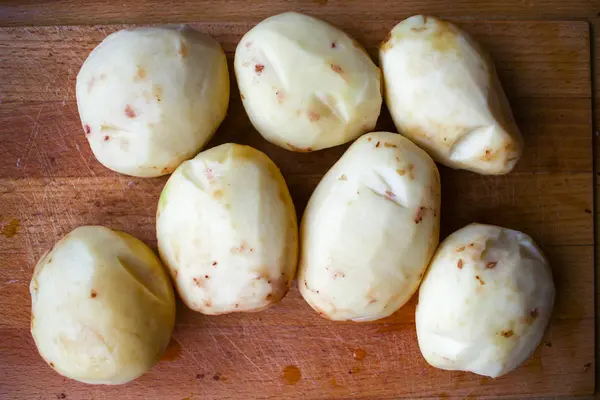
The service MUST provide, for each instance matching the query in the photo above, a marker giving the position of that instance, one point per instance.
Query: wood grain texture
(64, 12)
(595, 48)
(50, 183)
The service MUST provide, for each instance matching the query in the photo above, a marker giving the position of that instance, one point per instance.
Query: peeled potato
(444, 94)
(370, 229)
(227, 230)
(150, 98)
(305, 84)
(103, 308)
(485, 301)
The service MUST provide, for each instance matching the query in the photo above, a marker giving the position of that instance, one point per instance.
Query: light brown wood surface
(50, 183)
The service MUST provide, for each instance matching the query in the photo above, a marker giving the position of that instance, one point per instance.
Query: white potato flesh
(485, 301)
(150, 98)
(227, 230)
(103, 308)
(443, 93)
(370, 229)
(305, 84)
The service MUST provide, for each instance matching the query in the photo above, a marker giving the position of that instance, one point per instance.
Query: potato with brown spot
(337, 69)
(227, 222)
(183, 49)
(419, 215)
(198, 282)
(280, 94)
(488, 315)
(411, 168)
(428, 64)
(141, 73)
(129, 112)
(298, 149)
(104, 290)
(313, 116)
(363, 255)
(386, 44)
(158, 93)
(327, 88)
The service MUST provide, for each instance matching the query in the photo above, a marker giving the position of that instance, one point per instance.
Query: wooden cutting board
(51, 183)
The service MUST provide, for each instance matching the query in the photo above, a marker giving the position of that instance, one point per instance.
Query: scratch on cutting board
(468, 395)
(217, 343)
(28, 243)
(246, 356)
(192, 356)
(335, 335)
(241, 351)
(33, 135)
(87, 165)
(338, 361)
(257, 344)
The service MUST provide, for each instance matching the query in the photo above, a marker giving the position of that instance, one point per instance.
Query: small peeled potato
(103, 308)
(227, 230)
(443, 93)
(150, 98)
(485, 301)
(370, 229)
(305, 84)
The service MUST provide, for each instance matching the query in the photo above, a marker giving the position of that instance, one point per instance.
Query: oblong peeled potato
(443, 93)
(150, 98)
(227, 230)
(305, 84)
(485, 301)
(370, 229)
(103, 308)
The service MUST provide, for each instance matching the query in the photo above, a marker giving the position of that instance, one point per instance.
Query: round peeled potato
(305, 84)
(370, 229)
(150, 98)
(443, 93)
(103, 308)
(227, 230)
(485, 301)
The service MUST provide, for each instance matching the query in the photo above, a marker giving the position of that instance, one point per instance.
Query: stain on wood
(10, 228)
(291, 375)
